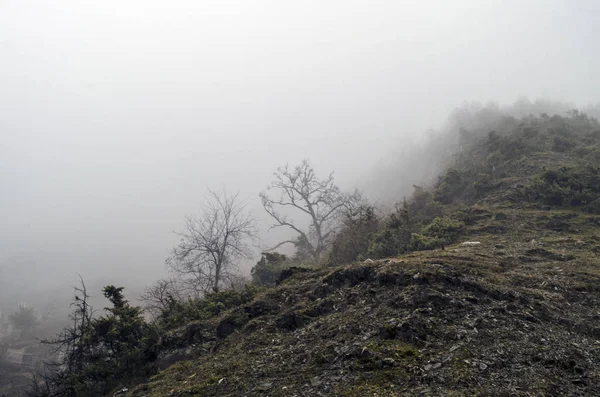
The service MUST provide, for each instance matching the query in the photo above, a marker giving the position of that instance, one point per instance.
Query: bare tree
(70, 346)
(212, 242)
(158, 296)
(319, 200)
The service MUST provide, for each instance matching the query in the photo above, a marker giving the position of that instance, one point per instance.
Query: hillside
(485, 282)
(514, 315)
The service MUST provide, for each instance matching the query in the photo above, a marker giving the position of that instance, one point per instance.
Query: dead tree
(71, 346)
(321, 201)
(212, 242)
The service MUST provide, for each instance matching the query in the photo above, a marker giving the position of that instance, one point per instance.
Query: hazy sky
(115, 115)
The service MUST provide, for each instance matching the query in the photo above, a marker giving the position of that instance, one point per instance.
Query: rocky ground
(516, 315)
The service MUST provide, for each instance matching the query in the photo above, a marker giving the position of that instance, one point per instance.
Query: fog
(115, 116)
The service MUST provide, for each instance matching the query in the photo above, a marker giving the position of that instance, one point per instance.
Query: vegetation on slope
(513, 316)
(400, 307)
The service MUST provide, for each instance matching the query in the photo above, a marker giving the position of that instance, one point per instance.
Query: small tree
(354, 238)
(124, 344)
(320, 200)
(211, 242)
(97, 353)
(60, 378)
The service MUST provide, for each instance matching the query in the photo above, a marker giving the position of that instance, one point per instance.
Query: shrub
(418, 242)
(444, 230)
(422, 207)
(482, 185)
(394, 235)
(450, 186)
(560, 144)
(268, 268)
(389, 242)
(567, 187)
(354, 238)
(181, 312)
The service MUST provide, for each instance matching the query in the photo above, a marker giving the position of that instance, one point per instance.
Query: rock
(482, 366)
(404, 332)
(390, 362)
(499, 246)
(289, 272)
(437, 365)
(234, 321)
(292, 321)
(314, 382)
(368, 261)
(470, 244)
(350, 276)
(264, 386)
(194, 334)
(428, 367)
(260, 308)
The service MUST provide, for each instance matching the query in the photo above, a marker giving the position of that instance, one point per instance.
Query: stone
(264, 386)
(390, 362)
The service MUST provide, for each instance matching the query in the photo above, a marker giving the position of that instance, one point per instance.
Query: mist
(117, 115)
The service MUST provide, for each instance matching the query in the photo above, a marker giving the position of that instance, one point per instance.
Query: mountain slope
(515, 315)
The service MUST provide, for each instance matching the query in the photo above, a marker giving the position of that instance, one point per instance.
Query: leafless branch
(320, 200)
(212, 242)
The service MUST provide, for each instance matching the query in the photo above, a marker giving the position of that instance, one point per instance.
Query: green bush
(179, 313)
(560, 144)
(482, 185)
(354, 238)
(123, 343)
(567, 187)
(422, 207)
(268, 268)
(444, 230)
(450, 186)
(389, 242)
(418, 242)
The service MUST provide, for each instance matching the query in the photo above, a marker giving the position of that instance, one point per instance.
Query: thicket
(181, 312)
(574, 187)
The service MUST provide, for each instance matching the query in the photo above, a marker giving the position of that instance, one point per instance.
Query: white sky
(115, 115)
